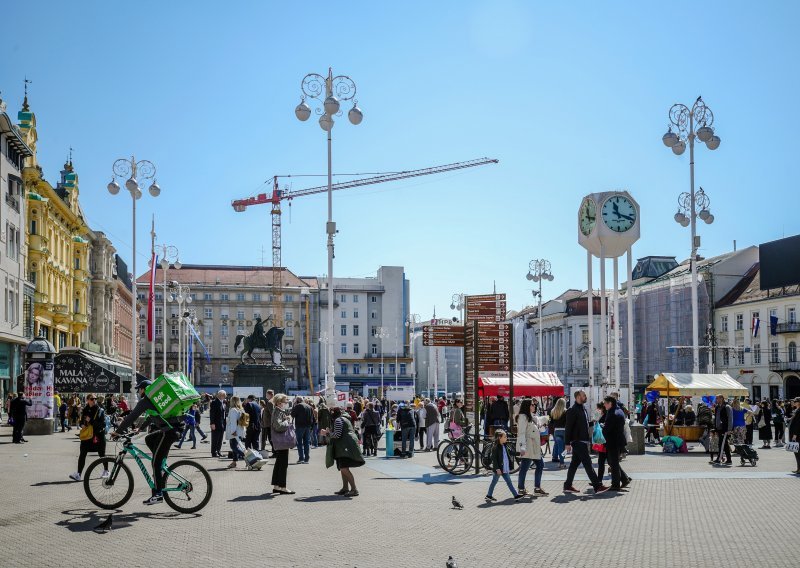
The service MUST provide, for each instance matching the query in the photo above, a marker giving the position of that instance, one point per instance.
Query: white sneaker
(105, 474)
(75, 476)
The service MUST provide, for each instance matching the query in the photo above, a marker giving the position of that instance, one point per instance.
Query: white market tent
(525, 384)
(696, 384)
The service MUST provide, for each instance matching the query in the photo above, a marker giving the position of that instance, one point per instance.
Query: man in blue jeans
(303, 421)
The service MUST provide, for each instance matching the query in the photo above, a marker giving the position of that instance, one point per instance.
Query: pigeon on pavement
(451, 563)
(456, 504)
(105, 525)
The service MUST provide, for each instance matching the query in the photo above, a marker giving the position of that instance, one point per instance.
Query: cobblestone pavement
(680, 511)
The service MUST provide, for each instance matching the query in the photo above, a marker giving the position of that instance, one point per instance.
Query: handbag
(285, 440)
(628, 433)
(792, 447)
(456, 431)
(597, 435)
(86, 433)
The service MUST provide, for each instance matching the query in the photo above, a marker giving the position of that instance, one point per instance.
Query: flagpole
(151, 299)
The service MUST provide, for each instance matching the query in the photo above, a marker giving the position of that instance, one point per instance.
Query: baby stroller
(746, 453)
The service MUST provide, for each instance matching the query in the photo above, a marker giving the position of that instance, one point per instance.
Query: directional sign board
(488, 307)
(443, 335)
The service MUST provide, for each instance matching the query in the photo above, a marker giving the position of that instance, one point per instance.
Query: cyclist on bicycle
(159, 441)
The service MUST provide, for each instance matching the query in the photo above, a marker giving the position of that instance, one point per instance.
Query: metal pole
(153, 260)
(134, 314)
(693, 260)
(630, 320)
(590, 316)
(164, 326)
(616, 323)
(603, 324)
(331, 230)
(541, 332)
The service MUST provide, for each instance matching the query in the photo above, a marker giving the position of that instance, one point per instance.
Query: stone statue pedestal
(266, 376)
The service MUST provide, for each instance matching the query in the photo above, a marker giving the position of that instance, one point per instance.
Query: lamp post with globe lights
(180, 293)
(538, 271)
(334, 90)
(169, 255)
(129, 170)
(692, 204)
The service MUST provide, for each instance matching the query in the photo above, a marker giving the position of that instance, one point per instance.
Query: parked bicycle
(185, 481)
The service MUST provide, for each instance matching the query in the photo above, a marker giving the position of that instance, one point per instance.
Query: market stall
(525, 384)
(686, 385)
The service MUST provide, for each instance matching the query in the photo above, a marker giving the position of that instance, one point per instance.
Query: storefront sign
(75, 373)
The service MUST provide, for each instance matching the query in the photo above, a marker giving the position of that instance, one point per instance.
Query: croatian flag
(151, 320)
(756, 325)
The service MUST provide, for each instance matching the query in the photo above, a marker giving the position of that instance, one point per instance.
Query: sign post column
(37, 385)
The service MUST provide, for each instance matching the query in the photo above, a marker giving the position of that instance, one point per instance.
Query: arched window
(792, 352)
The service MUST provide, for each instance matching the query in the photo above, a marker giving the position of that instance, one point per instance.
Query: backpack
(670, 447)
(243, 420)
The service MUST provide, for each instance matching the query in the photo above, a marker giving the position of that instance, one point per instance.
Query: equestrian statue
(269, 341)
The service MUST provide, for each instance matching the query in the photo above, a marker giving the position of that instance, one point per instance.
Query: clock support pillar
(590, 313)
(630, 319)
(617, 358)
(603, 321)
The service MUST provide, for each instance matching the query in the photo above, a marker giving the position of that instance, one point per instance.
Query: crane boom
(275, 198)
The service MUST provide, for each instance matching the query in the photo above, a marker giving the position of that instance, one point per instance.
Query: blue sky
(572, 97)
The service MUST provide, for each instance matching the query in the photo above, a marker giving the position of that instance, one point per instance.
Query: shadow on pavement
(85, 520)
(242, 498)
(322, 498)
(62, 482)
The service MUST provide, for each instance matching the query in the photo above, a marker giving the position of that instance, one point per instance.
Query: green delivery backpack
(172, 394)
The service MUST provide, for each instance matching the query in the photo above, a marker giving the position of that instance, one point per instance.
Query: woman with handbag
(235, 429)
(92, 435)
(764, 424)
(283, 440)
(529, 447)
(344, 451)
(459, 421)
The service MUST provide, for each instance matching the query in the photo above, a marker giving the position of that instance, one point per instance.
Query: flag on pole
(756, 325)
(151, 297)
(773, 325)
(193, 331)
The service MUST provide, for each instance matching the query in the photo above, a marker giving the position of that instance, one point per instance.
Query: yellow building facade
(57, 246)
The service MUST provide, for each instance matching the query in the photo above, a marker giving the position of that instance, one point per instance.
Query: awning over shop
(525, 384)
(696, 384)
(78, 370)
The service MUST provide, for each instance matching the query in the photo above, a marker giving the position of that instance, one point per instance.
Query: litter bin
(389, 443)
(636, 447)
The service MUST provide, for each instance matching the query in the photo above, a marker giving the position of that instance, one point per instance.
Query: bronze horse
(252, 342)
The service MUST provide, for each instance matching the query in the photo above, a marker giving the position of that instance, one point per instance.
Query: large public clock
(619, 213)
(587, 216)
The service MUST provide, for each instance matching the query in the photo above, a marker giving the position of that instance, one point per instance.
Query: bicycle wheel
(439, 449)
(486, 455)
(109, 492)
(457, 458)
(187, 486)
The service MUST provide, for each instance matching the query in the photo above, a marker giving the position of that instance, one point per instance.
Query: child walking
(501, 466)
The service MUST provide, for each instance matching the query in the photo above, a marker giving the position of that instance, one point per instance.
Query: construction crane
(278, 195)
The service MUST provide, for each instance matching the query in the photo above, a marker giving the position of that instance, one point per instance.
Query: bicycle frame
(139, 456)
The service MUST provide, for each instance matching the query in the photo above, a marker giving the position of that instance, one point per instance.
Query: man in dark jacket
(18, 410)
(498, 413)
(794, 429)
(576, 434)
(266, 420)
(303, 421)
(614, 433)
(216, 416)
(723, 425)
(253, 410)
(408, 429)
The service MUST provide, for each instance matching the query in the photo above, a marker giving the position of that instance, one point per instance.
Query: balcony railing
(13, 202)
(789, 327)
(784, 365)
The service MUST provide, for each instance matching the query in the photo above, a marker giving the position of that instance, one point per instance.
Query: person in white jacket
(529, 447)
(235, 429)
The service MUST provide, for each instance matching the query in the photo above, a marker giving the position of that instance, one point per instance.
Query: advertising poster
(39, 388)
(78, 374)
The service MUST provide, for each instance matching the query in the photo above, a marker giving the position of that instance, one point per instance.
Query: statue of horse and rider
(269, 341)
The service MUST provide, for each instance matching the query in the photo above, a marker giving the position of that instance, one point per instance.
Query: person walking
(764, 424)
(408, 428)
(198, 413)
(723, 424)
(372, 429)
(344, 451)
(280, 424)
(498, 413)
(529, 447)
(315, 423)
(749, 421)
(653, 417)
(323, 421)
(578, 438)
(794, 429)
(266, 421)
(18, 412)
(556, 425)
(235, 432)
(602, 452)
(216, 417)
(303, 421)
(614, 433)
(190, 423)
(62, 415)
(419, 415)
(739, 429)
(93, 435)
(432, 421)
(778, 422)
(253, 431)
(501, 466)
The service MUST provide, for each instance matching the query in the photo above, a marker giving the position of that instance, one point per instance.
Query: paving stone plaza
(679, 511)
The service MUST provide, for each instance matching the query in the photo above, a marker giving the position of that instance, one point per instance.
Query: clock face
(619, 214)
(587, 217)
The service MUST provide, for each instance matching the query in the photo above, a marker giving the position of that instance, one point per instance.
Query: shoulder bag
(285, 440)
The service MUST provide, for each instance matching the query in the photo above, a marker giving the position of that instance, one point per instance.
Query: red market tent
(525, 384)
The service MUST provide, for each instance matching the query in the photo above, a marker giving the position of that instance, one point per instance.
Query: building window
(374, 314)
(374, 331)
(355, 298)
(380, 368)
(370, 369)
(224, 297)
(173, 331)
(756, 354)
(208, 296)
(343, 330)
(288, 316)
(208, 313)
(585, 337)
(392, 368)
(739, 322)
(791, 315)
(343, 369)
(355, 314)
(355, 348)
(289, 332)
(223, 331)
(224, 315)
(723, 323)
(773, 352)
(209, 331)
(402, 368)
(240, 315)
(240, 297)
(288, 298)
(356, 369)
(740, 355)
(792, 352)
(374, 349)
(344, 314)
(726, 358)
(224, 348)
(256, 297)
(256, 315)
(158, 328)
(343, 298)
(240, 329)
(355, 330)
(373, 299)
(343, 349)
(753, 324)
